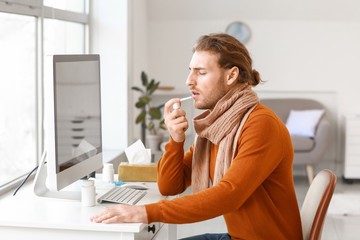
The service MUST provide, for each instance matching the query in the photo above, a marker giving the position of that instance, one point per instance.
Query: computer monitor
(73, 140)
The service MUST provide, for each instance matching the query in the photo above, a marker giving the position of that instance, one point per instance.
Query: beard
(208, 100)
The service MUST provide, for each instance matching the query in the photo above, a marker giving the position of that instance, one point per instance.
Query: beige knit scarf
(221, 126)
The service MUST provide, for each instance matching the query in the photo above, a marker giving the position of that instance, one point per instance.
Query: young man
(241, 145)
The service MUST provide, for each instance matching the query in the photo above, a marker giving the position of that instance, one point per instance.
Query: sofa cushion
(304, 122)
(302, 144)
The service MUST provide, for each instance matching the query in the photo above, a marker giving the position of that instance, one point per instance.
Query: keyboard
(123, 195)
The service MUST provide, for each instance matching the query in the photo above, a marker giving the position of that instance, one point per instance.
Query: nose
(190, 80)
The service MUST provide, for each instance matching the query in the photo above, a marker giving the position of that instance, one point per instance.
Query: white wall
(138, 59)
(301, 48)
(296, 45)
(109, 21)
(309, 48)
(290, 55)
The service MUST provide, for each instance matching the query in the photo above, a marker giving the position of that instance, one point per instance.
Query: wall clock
(239, 30)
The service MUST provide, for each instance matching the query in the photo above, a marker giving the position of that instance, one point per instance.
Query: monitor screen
(77, 109)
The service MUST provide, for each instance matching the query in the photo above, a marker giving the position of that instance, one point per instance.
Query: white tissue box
(137, 172)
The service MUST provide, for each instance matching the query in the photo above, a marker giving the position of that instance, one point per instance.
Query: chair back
(282, 106)
(316, 204)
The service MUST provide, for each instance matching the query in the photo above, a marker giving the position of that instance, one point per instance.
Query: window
(29, 31)
(63, 37)
(70, 5)
(17, 95)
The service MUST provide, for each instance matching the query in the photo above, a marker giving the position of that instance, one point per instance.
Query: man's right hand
(175, 120)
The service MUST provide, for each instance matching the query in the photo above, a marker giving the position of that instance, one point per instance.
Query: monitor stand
(41, 190)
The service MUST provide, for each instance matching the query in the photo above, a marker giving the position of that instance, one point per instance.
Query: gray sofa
(307, 151)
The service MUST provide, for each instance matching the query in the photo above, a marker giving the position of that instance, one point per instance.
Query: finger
(170, 118)
(181, 128)
(96, 217)
(114, 219)
(184, 126)
(173, 124)
(178, 113)
(101, 217)
(180, 119)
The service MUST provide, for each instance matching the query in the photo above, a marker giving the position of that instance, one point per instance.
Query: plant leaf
(141, 117)
(150, 85)
(140, 104)
(155, 113)
(137, 89)
(145, 99)
(144, 79)
(154, 87)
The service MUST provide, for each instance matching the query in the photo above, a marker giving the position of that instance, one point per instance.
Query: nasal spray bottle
(177, 105)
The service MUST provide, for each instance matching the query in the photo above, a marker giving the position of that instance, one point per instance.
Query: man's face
(206, 79)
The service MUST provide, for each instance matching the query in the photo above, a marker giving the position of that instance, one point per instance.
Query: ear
(232, 75)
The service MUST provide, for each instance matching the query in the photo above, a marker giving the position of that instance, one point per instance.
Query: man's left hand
(121, 213)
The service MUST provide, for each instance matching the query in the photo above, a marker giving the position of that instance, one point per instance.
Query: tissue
(136, 153)
(140, 168)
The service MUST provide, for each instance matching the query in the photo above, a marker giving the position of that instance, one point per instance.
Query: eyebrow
(197, 68)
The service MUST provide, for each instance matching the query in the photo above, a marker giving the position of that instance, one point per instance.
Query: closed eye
(198, 70)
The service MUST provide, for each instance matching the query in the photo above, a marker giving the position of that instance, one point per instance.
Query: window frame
(37, 9)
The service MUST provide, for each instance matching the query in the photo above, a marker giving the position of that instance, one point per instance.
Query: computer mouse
(137, 186)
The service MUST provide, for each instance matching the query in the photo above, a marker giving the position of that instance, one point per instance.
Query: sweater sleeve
(174, 169)
(260, 149)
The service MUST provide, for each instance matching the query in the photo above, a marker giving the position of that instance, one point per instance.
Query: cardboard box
(137, 172)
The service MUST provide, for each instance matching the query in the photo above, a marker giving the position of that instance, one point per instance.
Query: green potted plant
(150, 117)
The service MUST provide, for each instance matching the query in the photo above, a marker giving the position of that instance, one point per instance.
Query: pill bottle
(108, 172)
(88, 193)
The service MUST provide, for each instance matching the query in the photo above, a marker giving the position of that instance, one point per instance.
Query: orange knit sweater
(256, 195)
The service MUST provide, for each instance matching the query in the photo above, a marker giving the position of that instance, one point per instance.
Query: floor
(336, 226)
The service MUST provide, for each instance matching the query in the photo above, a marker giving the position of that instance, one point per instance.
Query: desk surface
(29, 211)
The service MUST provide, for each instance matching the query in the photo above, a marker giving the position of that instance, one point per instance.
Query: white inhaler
(177, 105)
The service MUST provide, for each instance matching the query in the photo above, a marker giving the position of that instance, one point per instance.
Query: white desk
(27, 216)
